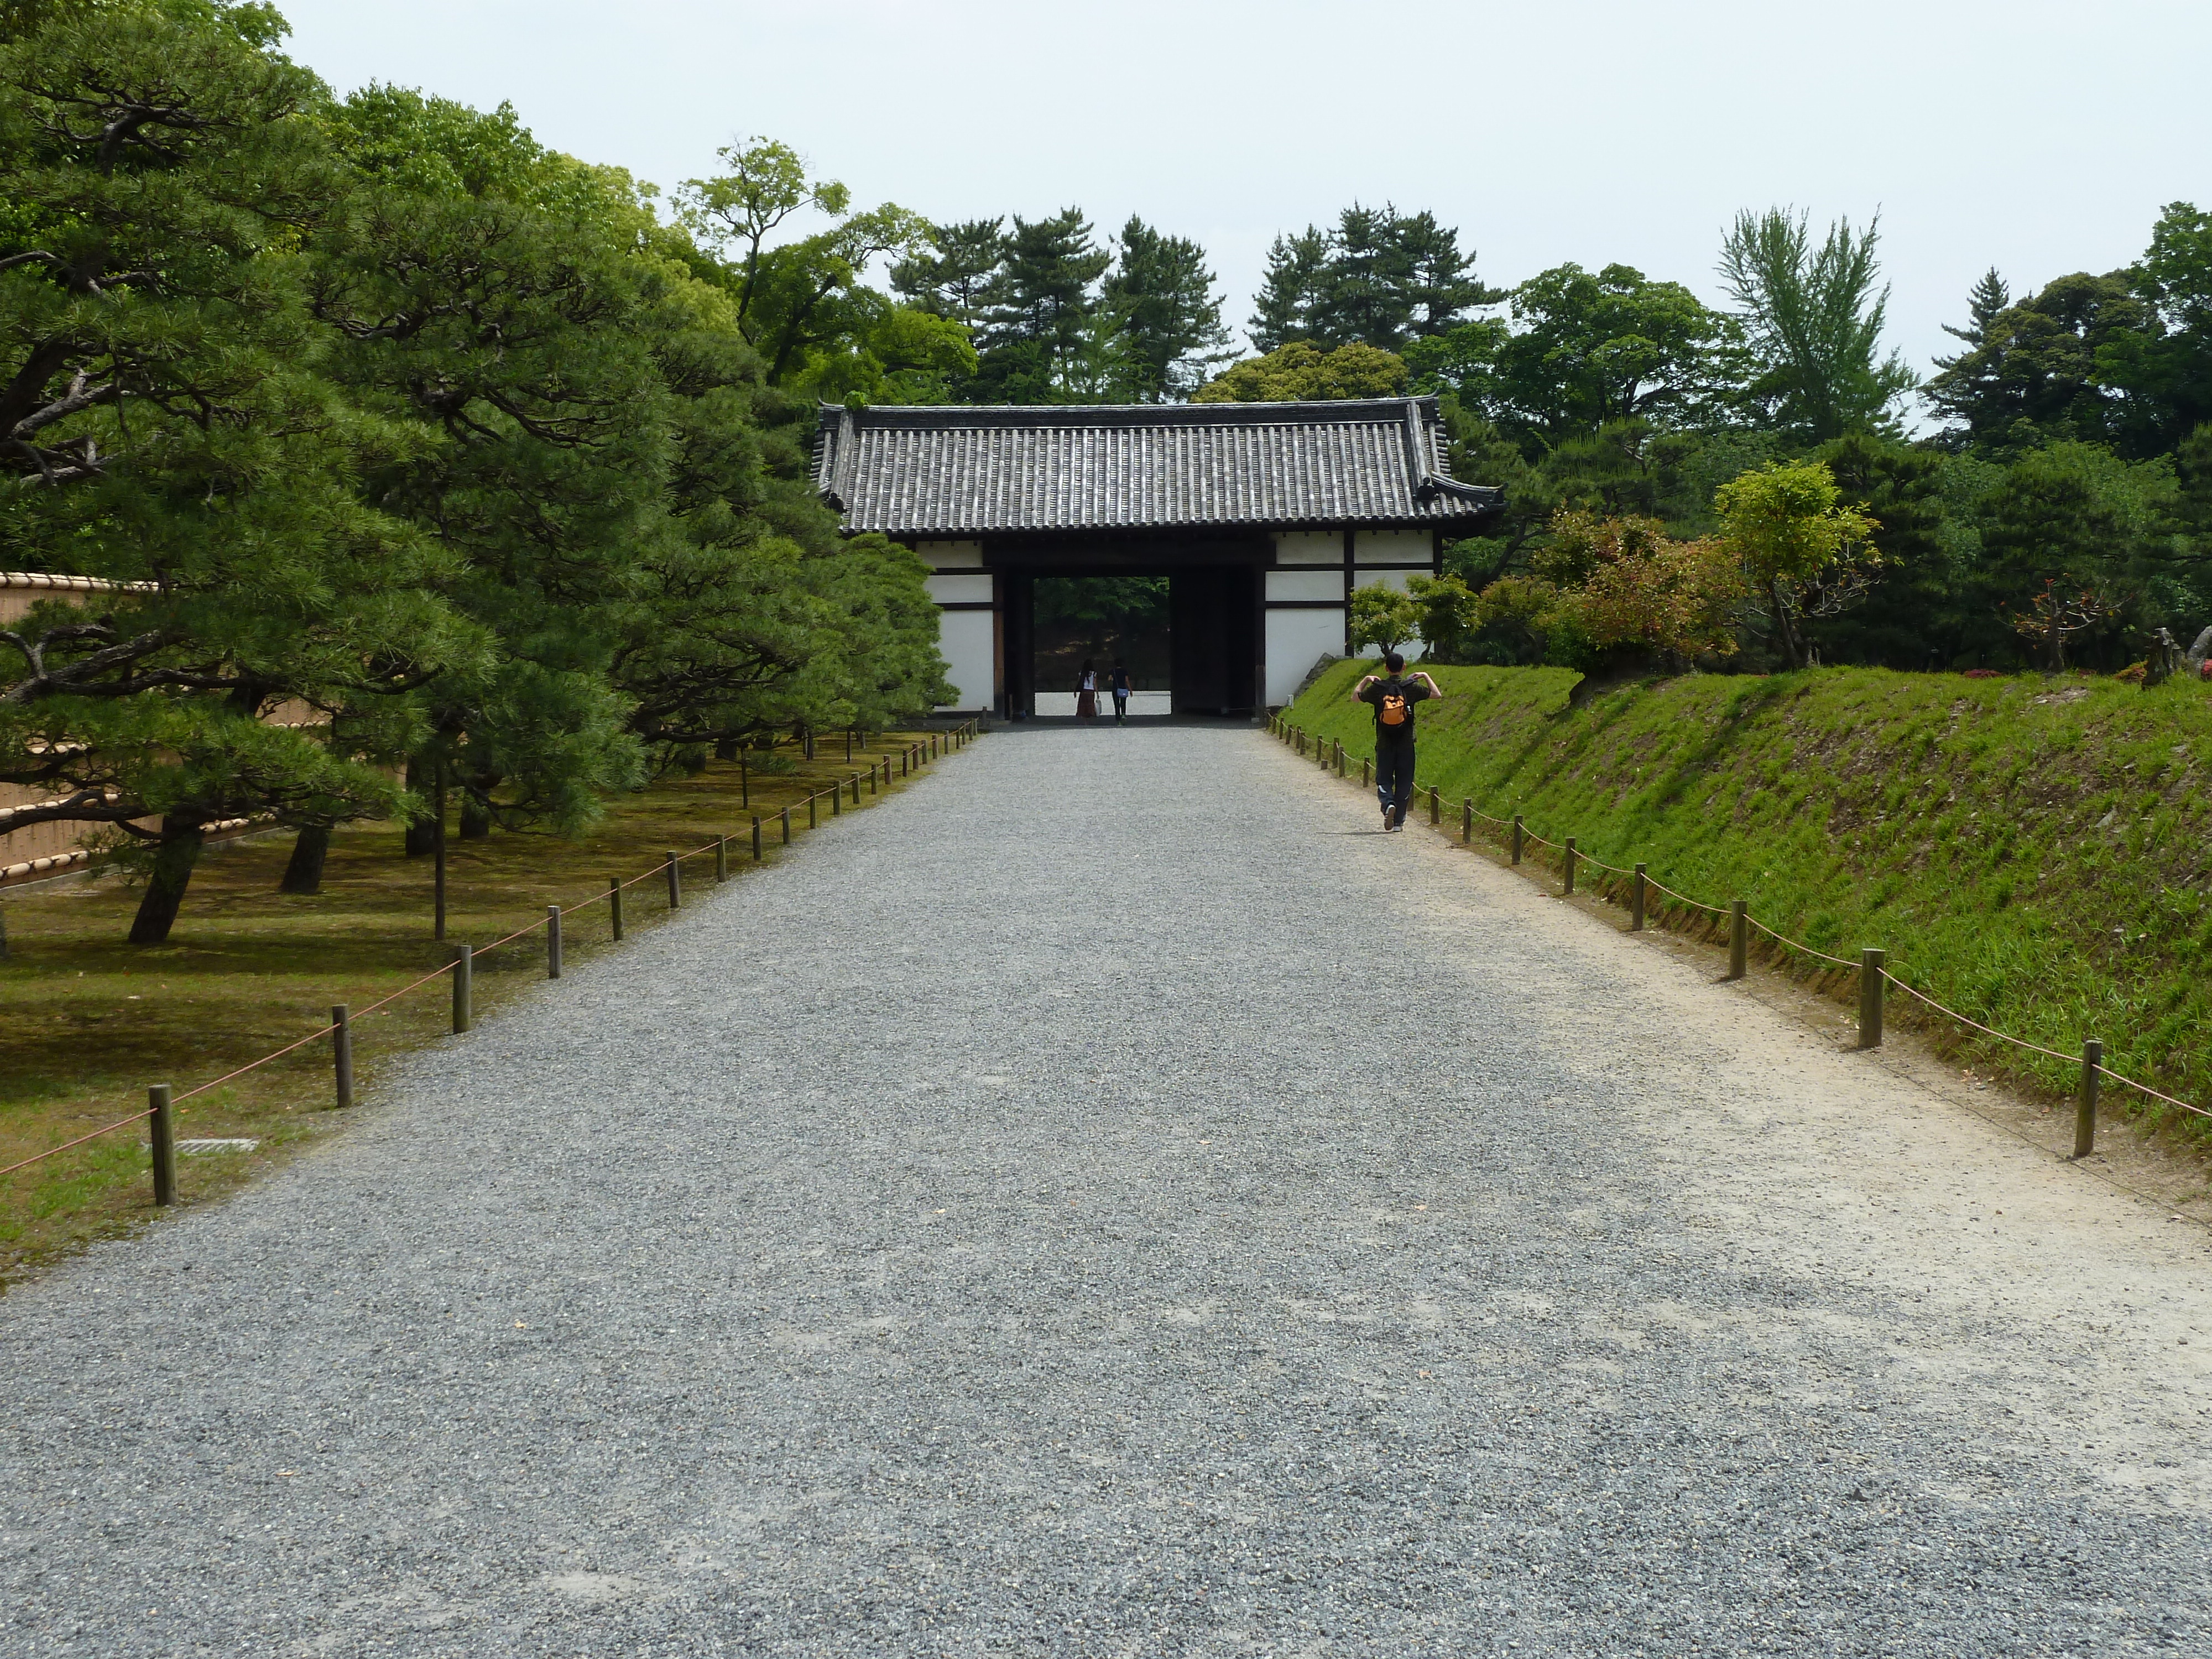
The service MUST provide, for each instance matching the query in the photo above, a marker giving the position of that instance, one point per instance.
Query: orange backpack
(1393, 708)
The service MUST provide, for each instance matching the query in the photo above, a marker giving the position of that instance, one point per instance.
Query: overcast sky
(2039, 137)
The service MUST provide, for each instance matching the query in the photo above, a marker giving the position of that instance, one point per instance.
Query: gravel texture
(1108, 1199)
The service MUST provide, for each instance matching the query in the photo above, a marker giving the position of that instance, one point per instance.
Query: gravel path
(1105, 1199)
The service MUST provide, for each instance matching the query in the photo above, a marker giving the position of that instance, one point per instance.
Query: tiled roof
(955, 471)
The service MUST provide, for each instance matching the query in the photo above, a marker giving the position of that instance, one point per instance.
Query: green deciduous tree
(1585, 349)
(1799, 546)
(1301, 372)
(1382, 616)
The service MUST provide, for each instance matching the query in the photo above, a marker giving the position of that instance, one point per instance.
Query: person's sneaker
(1386, 819)
(1400, 822)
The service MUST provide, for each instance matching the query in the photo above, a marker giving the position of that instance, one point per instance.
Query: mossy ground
(87, 1021)
(2031, 851)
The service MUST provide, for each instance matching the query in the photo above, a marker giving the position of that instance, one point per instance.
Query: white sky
(2039, 137)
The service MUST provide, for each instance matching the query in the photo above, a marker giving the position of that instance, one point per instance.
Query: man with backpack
(1393, 695)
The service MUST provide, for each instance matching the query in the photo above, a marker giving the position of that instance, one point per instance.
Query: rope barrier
(121, 1123)
(1695, 904)
(1529, 838)
(2198, 1111)
(1986, 1031)
(1793, 944)
(922, 757)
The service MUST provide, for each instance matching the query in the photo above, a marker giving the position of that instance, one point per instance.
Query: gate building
(1263, 518)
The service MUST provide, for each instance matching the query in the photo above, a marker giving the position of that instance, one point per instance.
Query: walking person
(1394, 693)
(1117, 681)
(1086, 693)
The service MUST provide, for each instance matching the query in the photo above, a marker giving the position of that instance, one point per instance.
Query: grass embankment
(2031, 851)
(87, 1021)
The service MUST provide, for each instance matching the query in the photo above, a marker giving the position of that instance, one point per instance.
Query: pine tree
(1290, 291)
(1162, 295)
(1038, 307)
(954, 278)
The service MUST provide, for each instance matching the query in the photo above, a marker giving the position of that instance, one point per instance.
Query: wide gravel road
(1108, 1199)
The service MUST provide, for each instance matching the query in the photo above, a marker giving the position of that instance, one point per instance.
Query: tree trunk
(726, 750)
(1782, 625)
(174, 858)
(475, 818)
(304, 874)
(422, 836)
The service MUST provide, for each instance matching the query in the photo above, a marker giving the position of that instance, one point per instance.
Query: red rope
(79, 1142)
(1986, 1031)
(2115, 1078)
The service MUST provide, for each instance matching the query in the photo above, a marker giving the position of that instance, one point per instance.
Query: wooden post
(1517, 833)
(675, 884)
(1570, 863)
(342, 1052)
(787, 826)
(438, 848)
(813, 810)
(836, 800)
(2085, 1111)
(1870, 960)
(552, 941)
(855, 781)
(614, 905)
(162, 1141)
(721, 858)
(1436, 805)
(1739, 938)
(848, 743)
(756, 838)
(1367, 774)
(1466, 821)
(465, 1008)
(1636, 903)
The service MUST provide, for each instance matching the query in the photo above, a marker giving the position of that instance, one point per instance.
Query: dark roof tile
(957, 470)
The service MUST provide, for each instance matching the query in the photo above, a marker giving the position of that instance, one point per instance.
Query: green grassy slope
(2032, 853)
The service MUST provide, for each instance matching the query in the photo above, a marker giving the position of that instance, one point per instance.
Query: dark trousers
(1393, 774)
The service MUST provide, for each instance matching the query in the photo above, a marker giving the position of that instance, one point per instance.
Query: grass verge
(2030, 852)
(87, 1021)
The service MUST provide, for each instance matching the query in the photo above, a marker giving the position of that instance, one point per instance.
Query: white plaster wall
(1382, 579)
(1309, 547)
(959, 590)
(1296, 640)
(1306, 585)
(950, 555)
(966, 639)
(1392, 547)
